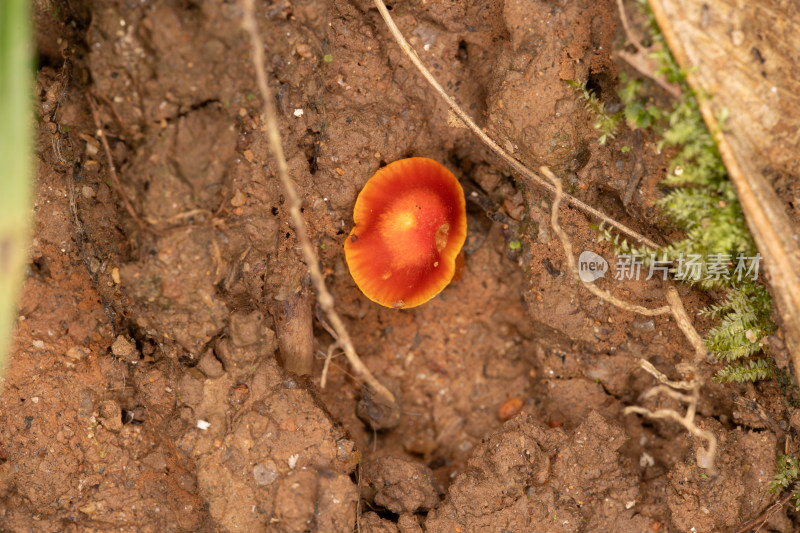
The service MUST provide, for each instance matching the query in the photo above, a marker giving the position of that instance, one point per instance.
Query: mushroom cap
(410, 224)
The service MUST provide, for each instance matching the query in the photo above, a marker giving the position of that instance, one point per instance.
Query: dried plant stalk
(16, 160)
(324, 298)
(488, 141)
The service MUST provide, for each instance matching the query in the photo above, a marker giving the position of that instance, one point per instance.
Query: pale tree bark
(743, 58)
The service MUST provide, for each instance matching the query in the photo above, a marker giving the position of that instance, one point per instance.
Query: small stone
(110, 415)
(303, 50)
(453, 120)
(248, 154)
(238, 394)
(115, 275)
(408, 523)
(346, 451)
(238, 198)
(88, 509)
(246, 328)
(171, 287)
(377, 412)
(210, 365)
(265, 473)
(155, 461)
(510, 408)
(94, 265)
(87, 192)
(125, 349)
(76, 353)
(794, 420)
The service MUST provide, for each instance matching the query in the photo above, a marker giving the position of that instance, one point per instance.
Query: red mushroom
(411, 223)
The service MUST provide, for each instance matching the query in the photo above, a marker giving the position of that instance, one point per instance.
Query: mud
(146, 390)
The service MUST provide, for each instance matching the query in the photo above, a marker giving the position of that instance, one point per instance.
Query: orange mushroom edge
(410, 224)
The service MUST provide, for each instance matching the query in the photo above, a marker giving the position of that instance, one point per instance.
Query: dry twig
(324, 298)
(324, 379)
(760, 521)
(513, 163)
(669, 388)
(642, 60)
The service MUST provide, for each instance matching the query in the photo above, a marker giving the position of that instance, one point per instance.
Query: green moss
(605, 123)
(786, 475)
(700, 200)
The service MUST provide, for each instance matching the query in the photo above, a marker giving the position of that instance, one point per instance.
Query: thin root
(324, 298)
(597, 291)
(758, 522)
(669, 388)
(113, 170)
(324, 379)
(505, 156)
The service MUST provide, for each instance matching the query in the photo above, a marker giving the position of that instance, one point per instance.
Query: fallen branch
(488, 141)
(667, 387)
(324, 298)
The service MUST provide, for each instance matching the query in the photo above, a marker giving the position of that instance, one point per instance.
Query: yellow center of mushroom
(414, 229)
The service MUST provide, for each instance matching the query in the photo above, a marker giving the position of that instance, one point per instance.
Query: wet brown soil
(145, 390)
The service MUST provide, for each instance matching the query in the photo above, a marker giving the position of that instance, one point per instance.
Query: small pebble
(76, 353)
(110, 415)
(303, 50)
(238, 199)
(210, 365)
(265, 473)
(510, 408)
(125, 349)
